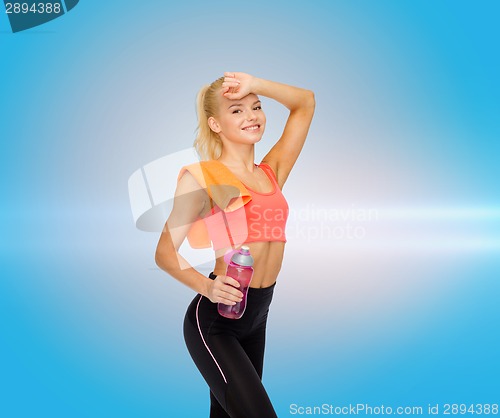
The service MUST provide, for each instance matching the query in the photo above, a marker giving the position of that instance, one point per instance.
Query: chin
(254, 141)
(248, 139)
(255, 138)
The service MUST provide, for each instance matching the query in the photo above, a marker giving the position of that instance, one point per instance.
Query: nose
(251, 114)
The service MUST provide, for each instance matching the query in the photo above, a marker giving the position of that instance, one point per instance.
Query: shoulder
(190, 178)
(186, 180)
(190, 195)
(195, 171)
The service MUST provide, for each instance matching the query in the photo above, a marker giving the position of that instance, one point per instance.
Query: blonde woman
(235, 201)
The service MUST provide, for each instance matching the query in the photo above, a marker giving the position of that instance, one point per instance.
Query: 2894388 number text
(476, 409)
(24, 8)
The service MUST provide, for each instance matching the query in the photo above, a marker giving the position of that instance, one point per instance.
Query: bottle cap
(243, 257)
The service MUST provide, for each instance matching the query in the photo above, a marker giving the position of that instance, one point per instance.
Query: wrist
(205, 287)
(257, 85)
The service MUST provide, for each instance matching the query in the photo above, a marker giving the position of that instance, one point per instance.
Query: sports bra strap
(268, 169)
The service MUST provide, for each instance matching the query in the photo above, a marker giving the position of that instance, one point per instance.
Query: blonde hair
(207, 143)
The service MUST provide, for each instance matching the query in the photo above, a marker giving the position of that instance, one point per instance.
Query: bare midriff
(268, 257)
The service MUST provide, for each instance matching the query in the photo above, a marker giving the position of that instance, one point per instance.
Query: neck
(238, 156)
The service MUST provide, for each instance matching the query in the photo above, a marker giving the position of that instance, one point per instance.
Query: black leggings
(230, 354)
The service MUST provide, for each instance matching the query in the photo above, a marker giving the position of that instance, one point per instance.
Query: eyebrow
(239, 104)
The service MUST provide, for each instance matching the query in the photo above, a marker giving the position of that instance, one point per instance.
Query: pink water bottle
(240, 269)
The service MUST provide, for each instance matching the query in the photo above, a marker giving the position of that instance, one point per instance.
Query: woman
(229, 353)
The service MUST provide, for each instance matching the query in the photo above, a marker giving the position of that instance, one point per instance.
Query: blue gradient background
(407, 125)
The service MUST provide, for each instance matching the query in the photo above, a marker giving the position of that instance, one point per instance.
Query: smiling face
(242, 121)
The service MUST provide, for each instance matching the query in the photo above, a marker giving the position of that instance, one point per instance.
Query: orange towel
(225, 190)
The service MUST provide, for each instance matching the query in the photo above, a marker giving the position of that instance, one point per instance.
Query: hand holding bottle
(240, 270)
(223, 289)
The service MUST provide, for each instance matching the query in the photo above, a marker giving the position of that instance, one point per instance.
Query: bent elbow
(168, 260)
(158, 259)
(311, 99)
(161, 260)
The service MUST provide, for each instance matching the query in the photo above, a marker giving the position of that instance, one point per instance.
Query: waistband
(254, 291)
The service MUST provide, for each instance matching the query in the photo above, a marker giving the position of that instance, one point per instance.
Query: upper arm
(283, 155)
(190, 201)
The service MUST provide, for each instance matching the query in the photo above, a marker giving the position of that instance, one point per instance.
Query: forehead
(248, 100)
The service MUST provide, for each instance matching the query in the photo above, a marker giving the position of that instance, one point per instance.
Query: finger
(229, 294)
(226, 284)
(226, 302)
(225, 298)
(230, 281)
(232, 79)
(231, 298)
(231, 95)
(230, 286)
(230, 84)
(232, 293)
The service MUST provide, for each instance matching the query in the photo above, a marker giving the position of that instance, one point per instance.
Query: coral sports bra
(262, 218)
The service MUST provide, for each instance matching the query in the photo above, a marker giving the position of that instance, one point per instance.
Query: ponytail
(207, 143)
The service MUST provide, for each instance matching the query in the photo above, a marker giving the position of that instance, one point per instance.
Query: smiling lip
(251, 128)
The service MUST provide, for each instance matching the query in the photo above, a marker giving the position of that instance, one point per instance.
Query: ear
(214, 125)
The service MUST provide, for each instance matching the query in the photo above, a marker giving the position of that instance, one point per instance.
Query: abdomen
(268, 257)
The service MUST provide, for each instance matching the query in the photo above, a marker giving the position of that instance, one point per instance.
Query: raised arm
(298, 101)
(190, 202)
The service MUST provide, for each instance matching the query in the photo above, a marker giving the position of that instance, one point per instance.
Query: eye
(236, 111)
(257, 108)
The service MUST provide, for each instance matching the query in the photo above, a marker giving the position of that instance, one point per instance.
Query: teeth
(251, 128)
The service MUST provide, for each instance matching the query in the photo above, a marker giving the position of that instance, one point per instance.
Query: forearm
(177, 267)
(293, 98)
